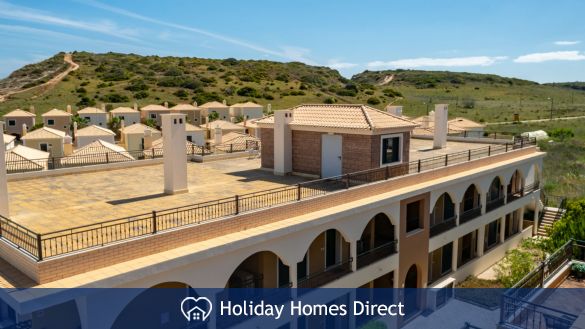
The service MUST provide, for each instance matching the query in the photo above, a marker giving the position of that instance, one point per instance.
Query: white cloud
(19, 13)
(567, 43)
(340, 65)
(551, 56)
(438, 62)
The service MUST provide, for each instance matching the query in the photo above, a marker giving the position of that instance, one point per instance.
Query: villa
(15, 120)
(91, 134)
(129, 115)
(94, 116)
(57, 119)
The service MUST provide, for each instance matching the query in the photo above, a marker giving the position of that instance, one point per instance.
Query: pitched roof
(18, 113)
(464, 123)
(352, 117)
(91, 110)
(184, 107)
(250, 123)
(124, 109)
(22, 158)
(223, 125)
(96, 153)
(138, 128)
(214, 104)
(94, 130)
(247, 104)
(44, 133)
(154, 108)
(158, 145)
(56, 113)
(238, 138)
(8, 138)
(190, 127)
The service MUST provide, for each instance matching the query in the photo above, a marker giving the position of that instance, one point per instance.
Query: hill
(122, 79)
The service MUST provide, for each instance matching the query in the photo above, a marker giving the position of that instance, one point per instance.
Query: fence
(99, 158)
(46, 245)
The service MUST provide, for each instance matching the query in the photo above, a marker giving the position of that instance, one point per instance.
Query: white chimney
(441, 116)
(395, 110)
(75, 130)
(135, 106)
(269, 108)
(224, 102)
(174, 155)
(2, 125)
(24, 130)
(195, 104)
(218, 135)
(122, 126)
(31, 109)
(69, 109)
(282, 142)
(147, 139)
(3, 182)
(166, 104)
(103, 107)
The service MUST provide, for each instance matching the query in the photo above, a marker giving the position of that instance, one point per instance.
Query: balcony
(443, 226)
(514, 196)
(470, 214)
(495, 203)
(327, 275)
(373, 255)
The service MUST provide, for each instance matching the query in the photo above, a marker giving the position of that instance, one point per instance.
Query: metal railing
(443, 226)
(375, 254)
(101, 158)
(519, 313)
(42, 246)
(470, 214)
(495, 203)
(329, 274)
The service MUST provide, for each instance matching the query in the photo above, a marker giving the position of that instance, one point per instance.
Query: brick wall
(69, 265)
(306, 152)
(267, 150)
(357, 150)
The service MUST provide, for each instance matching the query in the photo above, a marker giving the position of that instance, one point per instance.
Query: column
(483, 199)
(503, 229)
(3, 178)
(292, 272)
(521, 219)
(353, 255)
(457, 211)
(455, 255)
(480, 240)
(536, 217)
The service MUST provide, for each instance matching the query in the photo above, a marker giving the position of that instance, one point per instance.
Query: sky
(542, 41)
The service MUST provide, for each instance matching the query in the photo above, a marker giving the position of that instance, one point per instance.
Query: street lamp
(552, 102)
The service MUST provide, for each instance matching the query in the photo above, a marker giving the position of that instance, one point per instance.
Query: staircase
(549, 216)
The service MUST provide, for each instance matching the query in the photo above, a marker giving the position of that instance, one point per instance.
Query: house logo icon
(196, 309)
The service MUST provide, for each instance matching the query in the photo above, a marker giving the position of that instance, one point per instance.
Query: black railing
(495, 203)
(329, 274)
(443, 226)
(42, 246)
(518, 313)
(375, 254)
(469, 214)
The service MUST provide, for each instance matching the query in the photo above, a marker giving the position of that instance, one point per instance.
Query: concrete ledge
(216, 157)
(83, 169)
(468, 139)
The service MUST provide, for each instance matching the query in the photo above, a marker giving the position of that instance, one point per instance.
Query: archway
(516, 186)
(495, 194)
(470, 207)
(443, 215)
(377, 241)
(411, 279)
(263, 269)
(411, 294)
(327, 259)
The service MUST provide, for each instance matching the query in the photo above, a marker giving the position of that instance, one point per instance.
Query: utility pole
(552, 102)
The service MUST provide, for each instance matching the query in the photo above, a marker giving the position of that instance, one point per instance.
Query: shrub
(330, 100)
(561, 133)
(137, 85)
(181, 93)
(141, 95)
(514, 267)
(571, 225)
(373, 101)
(468, 103)
(115, 98)
(247, 92)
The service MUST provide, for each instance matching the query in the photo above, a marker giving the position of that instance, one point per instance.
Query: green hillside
(122, 79)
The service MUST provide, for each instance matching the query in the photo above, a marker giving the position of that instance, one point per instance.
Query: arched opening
(470, 207)
(263, 269)
(495, 195)
(327, 259)
(443, 216)
(377, 241)
(411, 280)
(515, 186)
(156, 307)
(411, 294)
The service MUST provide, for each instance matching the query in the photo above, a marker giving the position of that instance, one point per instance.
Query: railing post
(107, 157)
(53, 162)
(237, 200)
(542, 274)
(418, 165)
(522, 143)
(153, 153)
(39, 247)
(231, 148)
(202, 150)
(506, 147)
(192, 149)
(446, 159)
(469, 155)
(154, 228)
(387, 172)
(346, 181)
(298, 192)
(489, 150)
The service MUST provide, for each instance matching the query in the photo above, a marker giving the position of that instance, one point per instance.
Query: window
(390, 149)
(440, 262)
(491, 235)
(50, 122)
(12, 123)
(87, 118)
(190, 138)
(153, 115)
(44, 147)
(302, 267)
(413, 216)
(121, 117)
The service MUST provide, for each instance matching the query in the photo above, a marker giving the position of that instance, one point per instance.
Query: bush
(141, 95)
(373, 101)
(137, 85)
(391, 93)
(514, 267)
(330, 100)
(561, 134)
(115, 98)
(571, 225)
(468, 103)
(247, 92)
(181, 93)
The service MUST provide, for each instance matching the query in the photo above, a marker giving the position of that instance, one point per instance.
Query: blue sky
(537, 40)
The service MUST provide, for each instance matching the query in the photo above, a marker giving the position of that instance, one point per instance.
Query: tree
(570, 226)
(81, 122)
(514, 267)
(151, 123)
(561, 134)
(213, 116)
(373, 101)
(114, 125)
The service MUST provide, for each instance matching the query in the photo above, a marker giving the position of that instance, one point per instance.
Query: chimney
(195, 104)
(2, 125)
(75, 130)
(24, 130)
(3, 182)
(282, 142)
(218, 135)
(394, 110)
(441, 117)
(69, 109)
(174, 155)
(31, 109)
(269, 108)
(122, 126)
(67, 146)
(103, 107)
(167, 104)
(148, 139)
(224, 102)
(135, 106)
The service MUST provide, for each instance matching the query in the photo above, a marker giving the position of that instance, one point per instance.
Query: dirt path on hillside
(536, 120)
(49, 84)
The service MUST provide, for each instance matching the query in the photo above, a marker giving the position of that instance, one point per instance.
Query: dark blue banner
(185, 307)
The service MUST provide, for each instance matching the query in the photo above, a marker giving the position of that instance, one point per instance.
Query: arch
(454, 194)
(471, 199)
(141, 312)
(411, 277)
(263, 269)
(328, 252)
(516, 183)
(443, 210)
(376, 241)
(496, 189)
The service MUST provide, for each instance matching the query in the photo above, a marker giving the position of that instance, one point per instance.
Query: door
(331, 248)
(330, 155)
